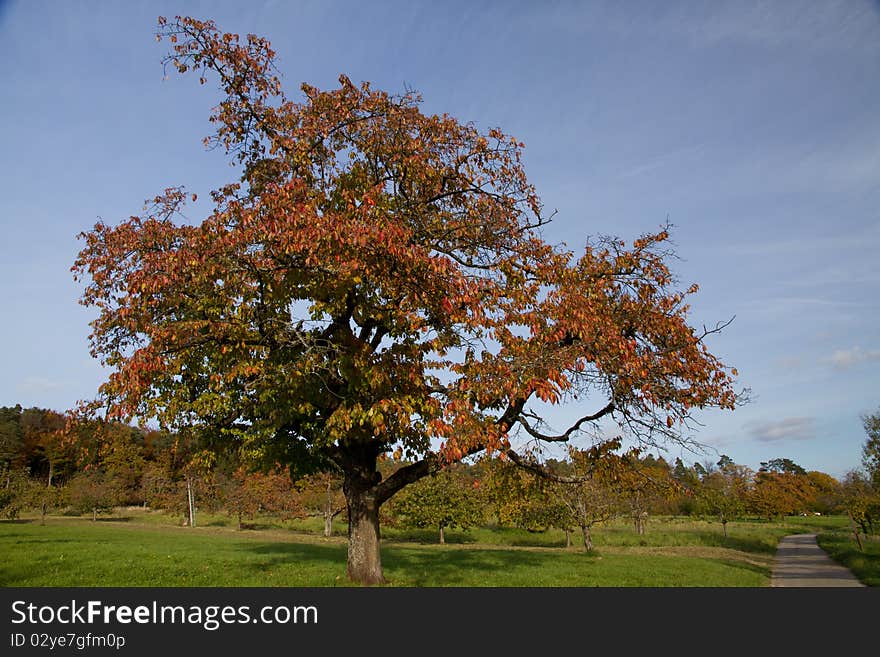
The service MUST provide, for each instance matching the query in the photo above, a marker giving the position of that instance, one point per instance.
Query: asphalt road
(800, 562)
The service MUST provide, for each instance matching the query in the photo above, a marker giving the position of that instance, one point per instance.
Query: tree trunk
(724, 526)
(190, 502)
(442, 536)
(855, 531)
(51, 473)
(94, 514)
(567, 538)
(588, 538)
(364, 559)
(640, 522)
(239, 521)
(360, 486)
(328, 513)
(43, 510)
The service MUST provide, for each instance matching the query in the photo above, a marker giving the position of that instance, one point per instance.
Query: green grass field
(842, 548)
(137, 548)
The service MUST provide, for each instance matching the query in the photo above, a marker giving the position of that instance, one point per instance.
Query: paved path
(801, 562)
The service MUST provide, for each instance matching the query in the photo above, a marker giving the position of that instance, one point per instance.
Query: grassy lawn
(135, 548)
(841, 546)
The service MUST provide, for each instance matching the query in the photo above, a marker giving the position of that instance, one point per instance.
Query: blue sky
(754, 127)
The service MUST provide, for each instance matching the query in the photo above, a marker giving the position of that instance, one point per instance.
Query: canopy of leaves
(376, 280)
(449, 498)
(871, 448)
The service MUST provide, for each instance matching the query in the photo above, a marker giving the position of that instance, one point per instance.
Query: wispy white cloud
(846, 358)
(791, 428)
(716, 441)
(38, 384)
(661, 160)
(808, 24)
(775, 307)
(867, 238)
(805, 24)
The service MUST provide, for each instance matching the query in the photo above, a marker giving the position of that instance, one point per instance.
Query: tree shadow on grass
(22, 539)
(287, 553)
(115, 519)
(538, 541)
(219, 523)
(404, 566)
(428, 536)
(457, 567)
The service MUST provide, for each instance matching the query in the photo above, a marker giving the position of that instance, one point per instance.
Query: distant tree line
(49, 461)
(52, 461)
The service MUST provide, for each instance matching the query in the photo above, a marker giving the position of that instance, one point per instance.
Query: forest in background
(56, 463)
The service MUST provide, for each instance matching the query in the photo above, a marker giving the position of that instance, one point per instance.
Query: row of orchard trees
(49, 461)
(588, 489)
(52, 461)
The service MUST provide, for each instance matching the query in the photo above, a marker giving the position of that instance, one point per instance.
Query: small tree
(321, 494)
(871, 448)
(722, 493)
(862, 503)
(42, 497)
(644, 484)
(14, 493)
(91, 492)
(594, 498)
(244, 494)
(448, 498)
(718, 497)
(518, 497)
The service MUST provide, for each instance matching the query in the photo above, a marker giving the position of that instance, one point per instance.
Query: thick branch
(412, 473)
(565, 436)
(539, 470)
(408, 474)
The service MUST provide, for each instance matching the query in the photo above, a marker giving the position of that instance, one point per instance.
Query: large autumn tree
(376, 280)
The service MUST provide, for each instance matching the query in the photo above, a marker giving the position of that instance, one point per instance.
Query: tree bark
(364, 493)
(364, 559)
(588, 539)
(567, 538)
(94, 514)
(442, 536)
(642, 516)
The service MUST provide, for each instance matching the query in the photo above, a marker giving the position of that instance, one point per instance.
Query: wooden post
(189, 496)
